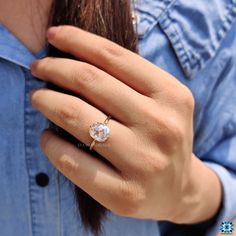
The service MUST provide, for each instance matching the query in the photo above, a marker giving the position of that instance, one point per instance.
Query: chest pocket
(195, 29)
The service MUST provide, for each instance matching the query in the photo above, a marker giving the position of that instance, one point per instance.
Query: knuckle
(174, 131)
(110, 51)
(151, 163)
(75, 77)
(149, 111)
(83, 76)
(129, 201)
(88, 74)
(152, 118)
(67, 165)
(127, 193)
(155, 165)
(186, 99)
(67, 113)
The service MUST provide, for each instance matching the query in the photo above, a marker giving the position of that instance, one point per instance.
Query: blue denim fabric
(194, 41)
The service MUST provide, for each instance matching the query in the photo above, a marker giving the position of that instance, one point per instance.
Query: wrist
(201, 195)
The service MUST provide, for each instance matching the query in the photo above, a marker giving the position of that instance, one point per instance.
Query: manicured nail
(52, 32)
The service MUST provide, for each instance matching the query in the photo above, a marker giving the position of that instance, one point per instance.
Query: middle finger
(96, 86)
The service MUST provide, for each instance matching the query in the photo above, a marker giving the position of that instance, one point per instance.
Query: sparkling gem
(99, 131)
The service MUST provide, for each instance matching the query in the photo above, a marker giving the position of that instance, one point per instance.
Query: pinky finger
(92, 175)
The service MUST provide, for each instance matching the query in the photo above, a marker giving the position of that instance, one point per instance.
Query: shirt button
(42, 179)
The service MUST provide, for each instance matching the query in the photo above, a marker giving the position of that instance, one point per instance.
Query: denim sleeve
(216, 135)
(219, 122)
(215, 128)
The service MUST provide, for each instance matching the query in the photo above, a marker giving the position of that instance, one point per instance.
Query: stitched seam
(191, 67)
(60, 225)
(221, 33)
(177, 42)
(226, 25)
(26, 158)
(153, 17)
(186, 52)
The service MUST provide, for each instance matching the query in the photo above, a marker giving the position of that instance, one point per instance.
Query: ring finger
(76, 116)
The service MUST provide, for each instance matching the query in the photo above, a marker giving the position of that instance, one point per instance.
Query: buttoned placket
(43, 178)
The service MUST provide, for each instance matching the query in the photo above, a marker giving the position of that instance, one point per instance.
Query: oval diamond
(99, 132)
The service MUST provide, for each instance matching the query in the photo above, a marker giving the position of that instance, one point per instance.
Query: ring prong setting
(99, 132)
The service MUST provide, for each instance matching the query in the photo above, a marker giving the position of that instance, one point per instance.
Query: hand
(153, 173)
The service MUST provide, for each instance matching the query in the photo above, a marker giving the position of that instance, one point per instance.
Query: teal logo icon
(227, 228)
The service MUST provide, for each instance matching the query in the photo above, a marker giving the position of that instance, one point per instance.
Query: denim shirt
(194, 41)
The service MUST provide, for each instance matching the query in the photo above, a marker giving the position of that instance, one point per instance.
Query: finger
(121, 63)
(90, 174)
(75, 116)
(99, 88)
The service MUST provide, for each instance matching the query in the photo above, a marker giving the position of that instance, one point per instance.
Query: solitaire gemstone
(99, 132)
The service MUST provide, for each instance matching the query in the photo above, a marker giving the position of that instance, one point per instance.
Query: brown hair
(111, 19)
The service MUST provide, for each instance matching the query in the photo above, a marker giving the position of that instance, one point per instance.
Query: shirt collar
(148, 14)
(13, 50)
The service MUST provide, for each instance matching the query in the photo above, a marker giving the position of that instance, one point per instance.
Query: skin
(154, 174)
(27, 20)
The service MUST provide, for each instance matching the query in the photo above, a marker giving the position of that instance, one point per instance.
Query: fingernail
(52, 32)
(31, 93)
(33, 66)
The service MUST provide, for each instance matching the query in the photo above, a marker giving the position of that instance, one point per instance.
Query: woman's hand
(154, 173)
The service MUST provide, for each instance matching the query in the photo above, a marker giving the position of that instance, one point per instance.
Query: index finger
(119, 62)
